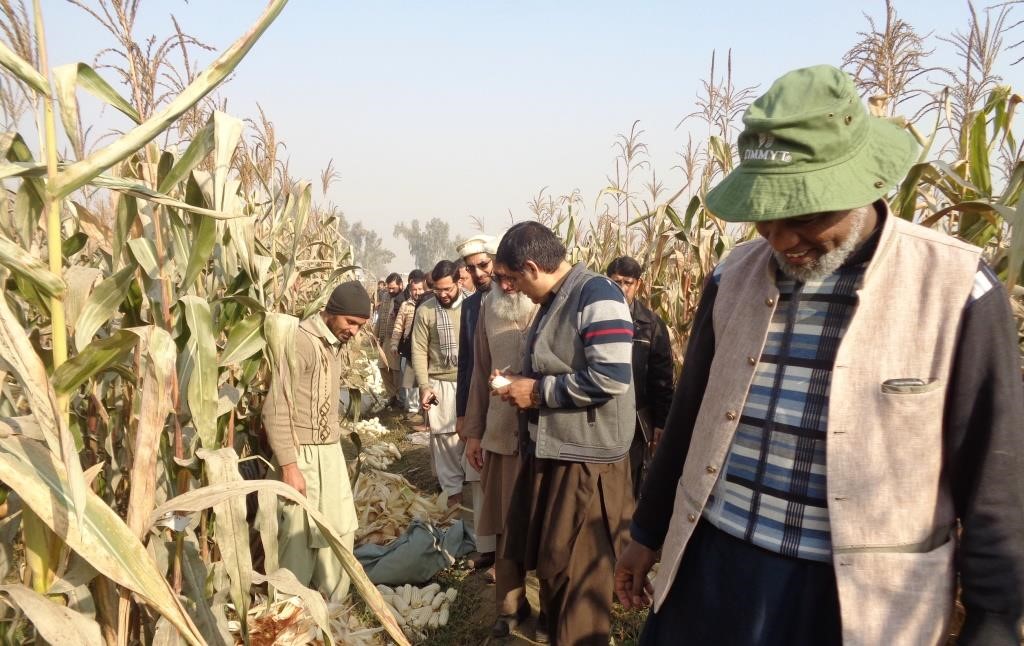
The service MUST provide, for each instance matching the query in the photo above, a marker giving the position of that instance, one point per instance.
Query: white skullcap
(480, 243)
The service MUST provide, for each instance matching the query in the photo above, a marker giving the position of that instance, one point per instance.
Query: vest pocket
(909, 386)
(896, 597)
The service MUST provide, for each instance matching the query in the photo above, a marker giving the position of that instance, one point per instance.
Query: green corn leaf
(227, 132)
(198, 149)
(163, 167)
(244, 340)
(232, 529)
(299, 202)
(23, 70)
(80, 173)
(14, 149)
(22, 169)
(905, 204)
(103, 303)
(30, 268)
(19, 357)
(180, 243)
(977, 155)
(27, 211)
(72, 245)
(202, 382)
(144, 252)
(67, 78)
(195, 574)
(96, 357)
(135, 189)
(204, 241)
(81, 281)
(127, 216)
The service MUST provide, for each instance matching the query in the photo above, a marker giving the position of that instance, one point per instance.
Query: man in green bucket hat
(851, 396)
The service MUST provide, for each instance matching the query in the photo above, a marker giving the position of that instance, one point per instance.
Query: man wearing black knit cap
(316, 466)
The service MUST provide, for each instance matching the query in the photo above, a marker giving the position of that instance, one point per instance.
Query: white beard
(510, 307)
(830, 261)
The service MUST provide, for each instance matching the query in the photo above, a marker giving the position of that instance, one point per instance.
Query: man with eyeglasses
(435, 360)
(570, 508)
(476, 254)
(652, 368)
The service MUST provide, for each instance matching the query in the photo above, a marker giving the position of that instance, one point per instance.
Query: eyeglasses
(505, 278)
(445, 290)
(483, 265)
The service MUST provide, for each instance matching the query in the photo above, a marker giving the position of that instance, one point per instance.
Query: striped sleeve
(606, 329)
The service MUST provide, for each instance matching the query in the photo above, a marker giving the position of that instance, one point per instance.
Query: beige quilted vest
(891, 514)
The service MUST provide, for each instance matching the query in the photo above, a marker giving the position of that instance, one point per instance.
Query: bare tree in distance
(429, 242)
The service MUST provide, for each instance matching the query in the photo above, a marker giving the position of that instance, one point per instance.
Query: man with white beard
(491, 434)
(842, 458)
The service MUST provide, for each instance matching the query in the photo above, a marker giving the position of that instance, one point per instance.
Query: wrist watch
(535, 395)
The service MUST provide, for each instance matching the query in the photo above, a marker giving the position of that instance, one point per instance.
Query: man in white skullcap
(477, 252)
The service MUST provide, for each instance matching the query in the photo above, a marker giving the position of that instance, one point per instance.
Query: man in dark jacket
(652, 368)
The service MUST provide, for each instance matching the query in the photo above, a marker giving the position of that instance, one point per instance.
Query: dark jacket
(470, 314)
(652, 364)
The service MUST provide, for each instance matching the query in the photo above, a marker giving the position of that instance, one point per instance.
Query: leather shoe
(479, 560)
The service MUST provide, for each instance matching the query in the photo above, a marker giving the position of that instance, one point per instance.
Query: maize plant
(135, 351)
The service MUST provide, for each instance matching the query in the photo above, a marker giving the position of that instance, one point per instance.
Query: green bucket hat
(809, 146)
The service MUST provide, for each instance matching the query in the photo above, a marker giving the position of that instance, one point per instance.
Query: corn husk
(386, 503)
(286, 622)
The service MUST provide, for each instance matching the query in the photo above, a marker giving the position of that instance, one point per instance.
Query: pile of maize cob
(380, 456)
(418, 610)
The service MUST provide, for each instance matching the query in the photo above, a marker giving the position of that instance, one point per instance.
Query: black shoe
(480, 560)
(505, 624)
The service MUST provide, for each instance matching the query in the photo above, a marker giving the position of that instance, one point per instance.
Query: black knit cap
(349, 299)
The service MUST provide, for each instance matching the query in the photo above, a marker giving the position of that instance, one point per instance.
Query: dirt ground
(473, 612)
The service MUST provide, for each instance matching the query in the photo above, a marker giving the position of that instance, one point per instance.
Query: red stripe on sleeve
(619, 330)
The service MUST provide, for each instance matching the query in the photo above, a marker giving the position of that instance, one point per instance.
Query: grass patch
(627, 625)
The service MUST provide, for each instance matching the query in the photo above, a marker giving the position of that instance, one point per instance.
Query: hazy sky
(459, 109)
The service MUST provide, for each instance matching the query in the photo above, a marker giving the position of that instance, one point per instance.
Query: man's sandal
(505, 624)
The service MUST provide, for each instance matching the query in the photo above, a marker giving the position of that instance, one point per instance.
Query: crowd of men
(839, 460)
